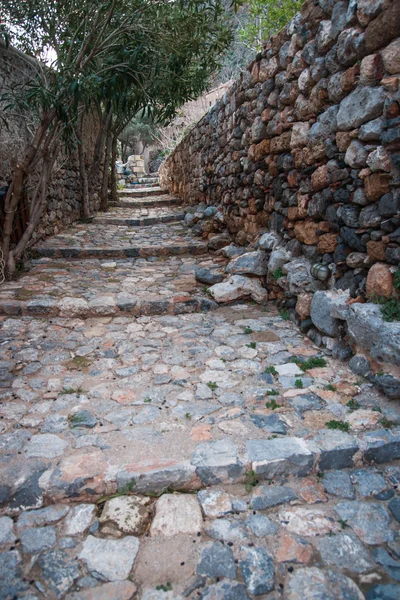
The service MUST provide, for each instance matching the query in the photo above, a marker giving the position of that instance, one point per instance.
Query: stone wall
(307, 141)
(63, 205)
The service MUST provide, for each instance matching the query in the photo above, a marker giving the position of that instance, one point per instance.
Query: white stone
(215, 503)
(129, 513)
(71, 307)
(176, 513)
(79, 519)
(112, 559)
(236, 287)
(6, 530)
(46, 445)
(289, 369)
(103, 305)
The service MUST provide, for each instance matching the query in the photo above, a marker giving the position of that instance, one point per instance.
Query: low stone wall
(64, 196)
(306, 144)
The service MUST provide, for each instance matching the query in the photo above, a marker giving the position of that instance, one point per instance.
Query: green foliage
(272, 404)
(248, 330)
(250, 481)
(310, 363)
(277, 274)
(340, 425)
(396, 279)
(343, 523)
(71, 390)
(330, 387)
(252, 345)
(212, 385)
(386, 423)
(353, 404)
(284, 314)
(266, 17)
(390, 308)
(299, 384)
(271, 370)
(272, 393)
(164, 588)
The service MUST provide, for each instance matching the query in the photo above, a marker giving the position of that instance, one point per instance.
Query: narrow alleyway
(122, 382)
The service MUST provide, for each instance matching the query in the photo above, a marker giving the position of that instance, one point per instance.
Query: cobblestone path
(155, 446)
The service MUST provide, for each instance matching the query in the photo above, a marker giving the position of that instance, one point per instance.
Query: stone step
(151, 202)
(130, 251)
(139, 192)
(140, 221)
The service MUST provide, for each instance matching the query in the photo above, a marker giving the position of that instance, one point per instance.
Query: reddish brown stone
(376, 250)
(292, 550)
(349, 79)
(382, 30)
(293, 213)
(371, 70)
(281, 143)
(306, 232)
(376, 185)
(319, 179)
(311, 491)
(261, 150)
(327, 243)
(379, 281)
(303, 305)
(390, 83)
(343, 140)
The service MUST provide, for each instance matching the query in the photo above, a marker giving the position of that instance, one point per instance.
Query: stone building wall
(307, 142)
(63, 205)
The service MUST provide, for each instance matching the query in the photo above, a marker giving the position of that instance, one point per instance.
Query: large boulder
(237, 287)
(326, 307)
(269, 241)
(252, 263)
(278, 258)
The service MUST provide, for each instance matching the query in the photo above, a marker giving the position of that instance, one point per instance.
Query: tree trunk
(95, 167)
(85, 207)
(113, 179)
(106, 175)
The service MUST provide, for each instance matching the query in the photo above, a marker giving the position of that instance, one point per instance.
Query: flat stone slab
(112, 559)
(274, 457)
(176, 514)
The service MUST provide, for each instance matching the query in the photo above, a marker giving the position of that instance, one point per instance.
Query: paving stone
(112, 559)
(11, 582)
(394, 506)
(370, 521)
(268, 496)
(217, 461)
(225, 590)
(216, 560)
(337, 449)
(45, 445)
(339, 484)
(383, 592)
(79, 519)
(226, 530)
(176, 514)
(390, 565)
(82, 418)
(308, 522)
(313, 584)
(38, 539)
(6, 530)
(257, 570)
(345, 551)
(43, 516)
(261, 525)
(121, 590)
(159, 594)
(287, 456)
(369, 484)
(129, 514)
(271, 423)
(59, 571)
(292, 549)
(215, 503)
(382, 445)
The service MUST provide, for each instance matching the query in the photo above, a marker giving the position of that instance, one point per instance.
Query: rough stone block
(287, 456)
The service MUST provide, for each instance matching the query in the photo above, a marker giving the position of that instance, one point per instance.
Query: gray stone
(382, 446)
(321, 309)
(258, 130)
(370, 217)
(11, 580)
(394, 506)
(371, 131)
(388, 384)
(176, 514)
(313, 584)
(226, 530)
(359, 365)
(217, 561)
(337, 449)
(37, 540)
(79, 519)
(207, 276)
(251, 263)
(43, 516)
(349, 215)
(360, 106)
(45, 445)
(225, 590)
(338, 483)
(369, 484)
(257, 570)
(6, 531)
(345, 551)
(59, 571)
(238, 286)
(325, 125)
(267, 496)
(269, 241)
(282, 456)
(217, 461)
(261, 525)
(370, 521)
(271, 423)
(215, 503)
(112, 559)
(389, 591)
(389, 205)
(82, 418)
(356, 157)
(277, 259)
(129, 514)
(305, 403)
(54, 424)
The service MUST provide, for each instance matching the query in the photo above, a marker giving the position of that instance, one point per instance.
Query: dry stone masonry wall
(64, 196)
(305, 149)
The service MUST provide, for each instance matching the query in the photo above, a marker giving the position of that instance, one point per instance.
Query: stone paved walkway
(153, 448)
